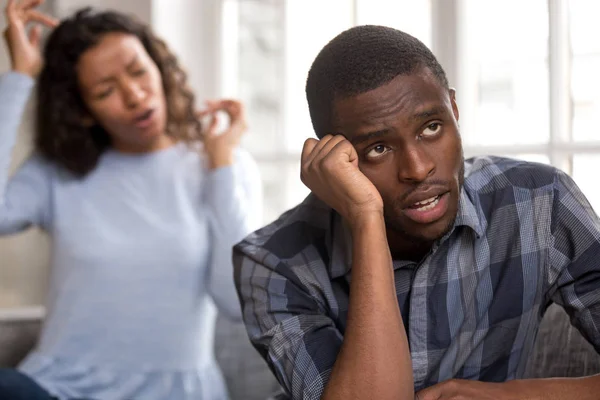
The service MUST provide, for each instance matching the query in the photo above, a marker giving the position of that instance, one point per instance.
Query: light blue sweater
(141, 253)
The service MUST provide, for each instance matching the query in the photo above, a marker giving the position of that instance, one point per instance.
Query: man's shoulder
(489, 174)
(296, 234)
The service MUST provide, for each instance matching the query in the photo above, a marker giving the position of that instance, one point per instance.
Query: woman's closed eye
(139, 72)
(105, 93)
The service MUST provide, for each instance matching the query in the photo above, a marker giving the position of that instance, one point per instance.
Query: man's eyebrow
(428, 113)
(417, 117)
(363, 137)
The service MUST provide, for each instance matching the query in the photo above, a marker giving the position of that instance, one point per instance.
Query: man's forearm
(374, 361)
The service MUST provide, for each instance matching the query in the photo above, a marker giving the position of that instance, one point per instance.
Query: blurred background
(526, 75)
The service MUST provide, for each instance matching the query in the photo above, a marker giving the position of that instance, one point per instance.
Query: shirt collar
(467, 214)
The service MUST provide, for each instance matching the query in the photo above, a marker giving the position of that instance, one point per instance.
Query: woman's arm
(24, 199)
(233, 195)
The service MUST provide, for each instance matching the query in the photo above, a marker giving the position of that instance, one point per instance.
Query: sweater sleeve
(234, 198)
(24, 198)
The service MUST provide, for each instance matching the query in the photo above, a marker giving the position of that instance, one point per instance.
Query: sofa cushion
(560, 350)
(246, 373)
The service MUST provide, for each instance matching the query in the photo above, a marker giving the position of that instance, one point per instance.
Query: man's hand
(458, 389)
(586, 388)
(330, 170)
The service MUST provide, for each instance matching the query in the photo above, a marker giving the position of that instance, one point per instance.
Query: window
(585, 66)
(533, 86)
(508, 83)
(525, 73)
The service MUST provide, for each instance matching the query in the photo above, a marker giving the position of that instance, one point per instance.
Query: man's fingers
(315, 151)
(328, 147)
(341, 147)
(309, 145)
(428, 394)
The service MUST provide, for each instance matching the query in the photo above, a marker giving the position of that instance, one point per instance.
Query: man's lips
(424, 203)
(423, 197)
(428, 210)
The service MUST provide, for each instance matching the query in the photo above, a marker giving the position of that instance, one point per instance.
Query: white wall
(141, 8)
(192, 29)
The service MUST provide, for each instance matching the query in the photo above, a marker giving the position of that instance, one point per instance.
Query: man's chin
(418, 233)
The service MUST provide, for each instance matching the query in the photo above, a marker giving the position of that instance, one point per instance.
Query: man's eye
(432, 129)
(377, 151)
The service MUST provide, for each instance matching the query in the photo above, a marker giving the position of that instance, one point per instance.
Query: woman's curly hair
(61, 135)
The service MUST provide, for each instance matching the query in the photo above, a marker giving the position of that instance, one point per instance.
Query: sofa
(560, 350)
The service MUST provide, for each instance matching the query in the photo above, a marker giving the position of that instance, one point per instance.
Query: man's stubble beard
(393, 224)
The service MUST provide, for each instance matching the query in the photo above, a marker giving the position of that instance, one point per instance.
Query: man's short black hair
(361, 59)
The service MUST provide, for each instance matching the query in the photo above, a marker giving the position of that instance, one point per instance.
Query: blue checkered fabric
(524, 237)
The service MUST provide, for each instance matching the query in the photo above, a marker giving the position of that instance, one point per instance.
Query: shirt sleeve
(289, 327)
(24, 198)
(234, 198)
(575, 258)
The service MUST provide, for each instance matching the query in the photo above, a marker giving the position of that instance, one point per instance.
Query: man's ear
(452, 93)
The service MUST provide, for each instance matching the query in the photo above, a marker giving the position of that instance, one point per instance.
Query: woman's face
(122, 89)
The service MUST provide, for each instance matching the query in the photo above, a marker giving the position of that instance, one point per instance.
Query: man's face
(408, 143)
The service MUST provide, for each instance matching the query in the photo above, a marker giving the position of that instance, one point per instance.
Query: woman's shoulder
(37, 164)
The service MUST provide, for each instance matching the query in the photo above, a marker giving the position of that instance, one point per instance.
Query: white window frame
(448, 17)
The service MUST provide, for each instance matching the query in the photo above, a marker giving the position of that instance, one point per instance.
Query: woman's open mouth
(144, 120)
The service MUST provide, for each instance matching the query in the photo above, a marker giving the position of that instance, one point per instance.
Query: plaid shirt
(524, 237)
